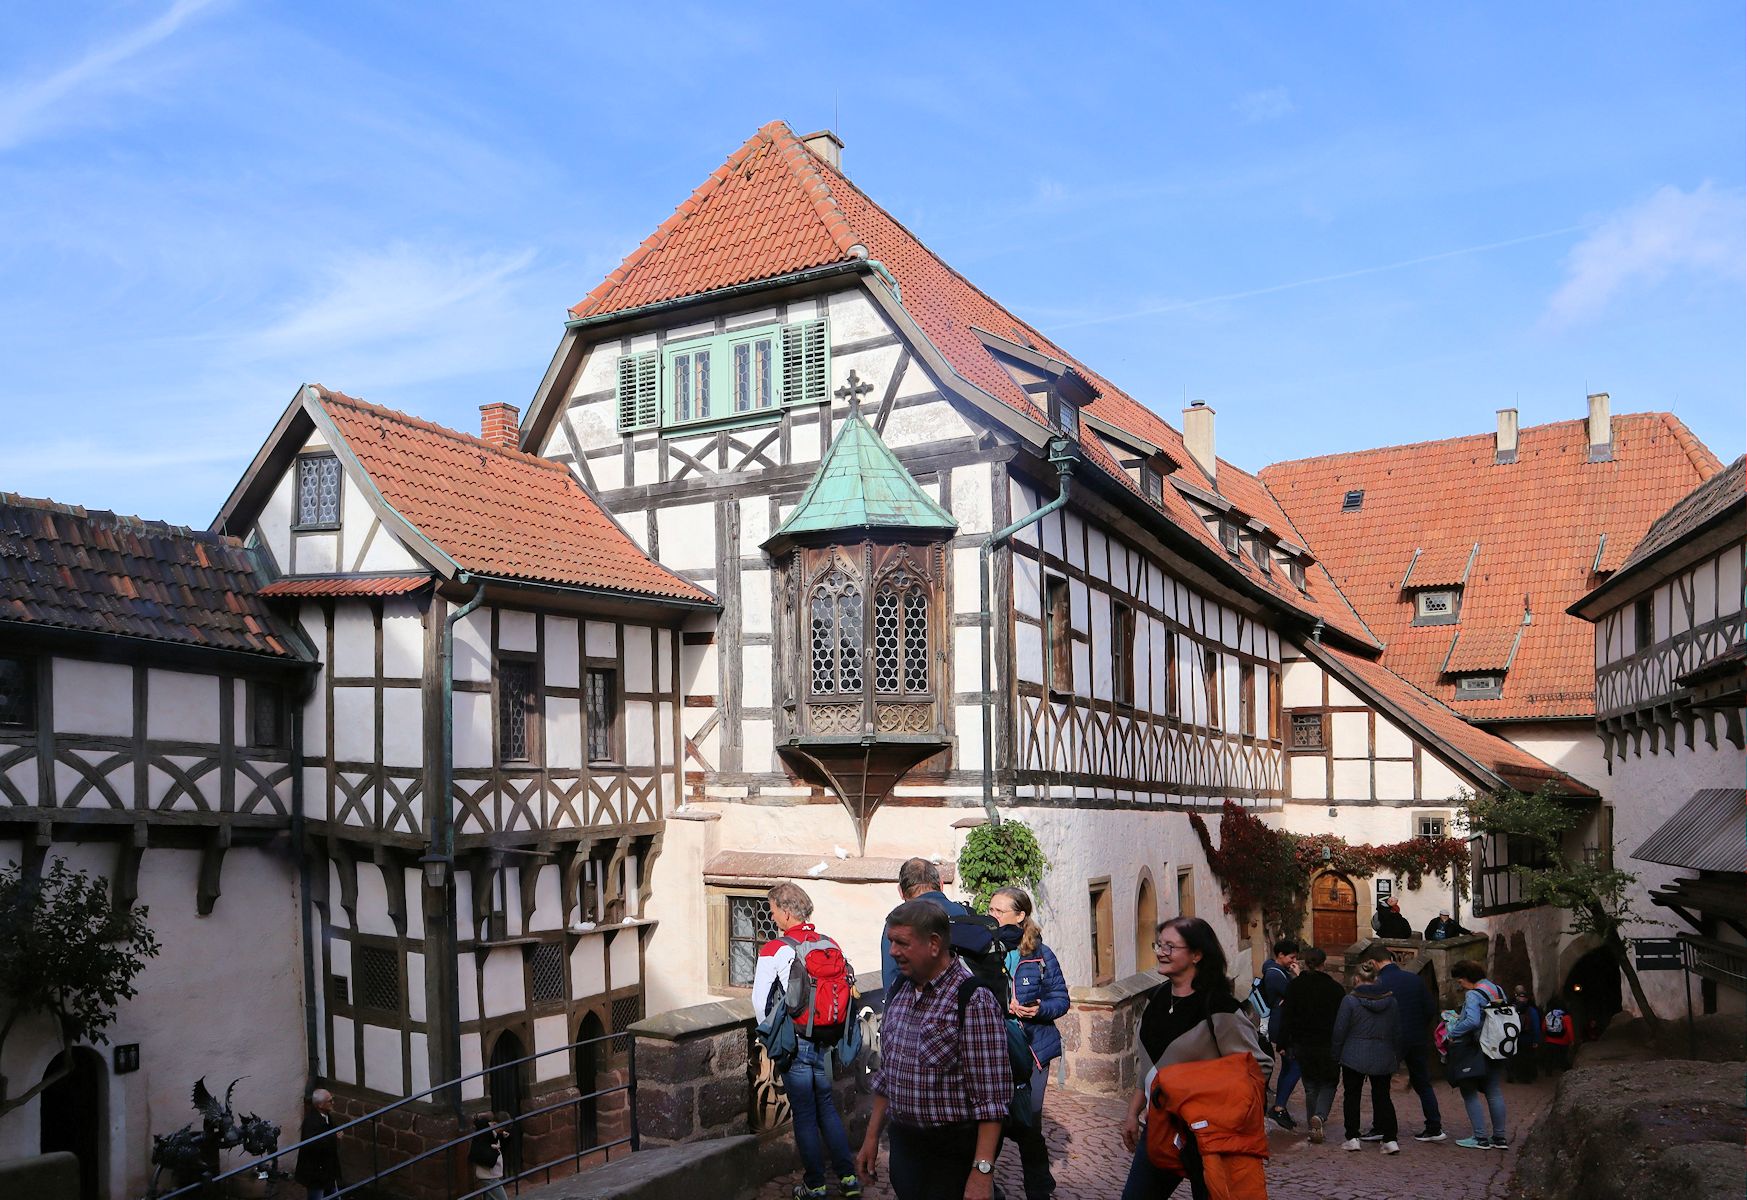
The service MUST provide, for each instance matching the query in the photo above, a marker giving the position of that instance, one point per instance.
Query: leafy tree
(997, 856)
(68, 951)
(1596, 895)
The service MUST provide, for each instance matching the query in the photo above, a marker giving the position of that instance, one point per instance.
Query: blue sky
(1343, 225)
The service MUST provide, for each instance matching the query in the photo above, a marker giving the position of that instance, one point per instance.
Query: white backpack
(1500, 1026)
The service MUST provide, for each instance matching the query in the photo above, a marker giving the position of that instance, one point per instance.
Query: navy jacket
(1367, 1032)
(1413, 1003)
(1038, 980)
(888, 968)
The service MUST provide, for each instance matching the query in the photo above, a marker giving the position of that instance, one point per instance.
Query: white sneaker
(1351, 1144)
(1392, 1147)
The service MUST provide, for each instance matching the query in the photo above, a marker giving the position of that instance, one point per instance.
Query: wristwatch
(985, 1167)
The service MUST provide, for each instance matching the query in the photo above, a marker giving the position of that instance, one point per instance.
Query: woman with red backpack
(1040, 998)
(802, 960)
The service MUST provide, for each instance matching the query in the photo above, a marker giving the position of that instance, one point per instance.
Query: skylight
(1353, 500)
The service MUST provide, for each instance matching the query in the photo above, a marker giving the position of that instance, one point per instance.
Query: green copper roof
(861, 484)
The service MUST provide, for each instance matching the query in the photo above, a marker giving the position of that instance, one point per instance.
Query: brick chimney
(1198, 437)
(826, 145)
(1601, 428)
(1506, 450)
(499, 424)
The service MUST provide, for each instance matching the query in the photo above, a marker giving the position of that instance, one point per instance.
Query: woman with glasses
(1193, 1018)
(1040, 997)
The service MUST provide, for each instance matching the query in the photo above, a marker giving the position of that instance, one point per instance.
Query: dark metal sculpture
(190, 1154)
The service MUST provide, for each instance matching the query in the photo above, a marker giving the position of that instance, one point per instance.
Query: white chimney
(1198, 437)
(1601, 428)
(1506, 451)
(826, 145)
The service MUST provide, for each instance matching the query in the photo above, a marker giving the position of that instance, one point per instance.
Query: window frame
(1422, 617)
(258, 694)
(1058, 635)
(1102, 929)
(1643, 623)
(1173, 701)
(1246, 698)
(1292, 723)
(1210, 685)
(534, 709)
(722, 376)
(615, 755)
(718, 902)
(30, 671)
(307, 459)
(1122, 626)
(1231, 537)
(360, 1003)
(1468, 687)
(1422, 819)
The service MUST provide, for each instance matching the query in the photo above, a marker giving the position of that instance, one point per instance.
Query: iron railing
(453, 1151)
(1721, 962)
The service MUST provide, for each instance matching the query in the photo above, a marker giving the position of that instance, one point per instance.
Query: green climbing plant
(998, 856)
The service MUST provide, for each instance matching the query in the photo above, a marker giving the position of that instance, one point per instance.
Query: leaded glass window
(754, 365)
(546, 971)
(602, 701)
(900, 634)
(835, 633)
(691, 385)
(915, 641)
(318, 490)
(887, 629)
(376, 970)
(749, 928)
(515, 709)
(1307, 731)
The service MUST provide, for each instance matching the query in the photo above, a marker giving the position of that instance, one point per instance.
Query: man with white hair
(318, 1165)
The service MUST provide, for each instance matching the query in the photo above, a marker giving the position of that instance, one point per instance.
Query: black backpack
(981, 943)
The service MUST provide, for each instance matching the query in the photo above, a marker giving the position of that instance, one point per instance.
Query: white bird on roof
(818, 868)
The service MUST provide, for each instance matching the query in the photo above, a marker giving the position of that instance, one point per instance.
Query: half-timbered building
(488, 635)
(148, 712)
(1670, 676)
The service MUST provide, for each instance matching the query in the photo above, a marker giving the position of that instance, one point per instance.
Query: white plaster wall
(1572, 746)
(403, 639)
(93, 697)
(222, 999)
(182, 706)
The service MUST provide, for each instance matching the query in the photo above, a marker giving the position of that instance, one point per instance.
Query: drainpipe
(1061, 455)
(441, 845)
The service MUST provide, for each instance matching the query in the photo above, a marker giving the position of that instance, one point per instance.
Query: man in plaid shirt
(943, 1086)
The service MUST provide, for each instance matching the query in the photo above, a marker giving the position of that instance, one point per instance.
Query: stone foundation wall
(398, 1136)
(1098, 1035)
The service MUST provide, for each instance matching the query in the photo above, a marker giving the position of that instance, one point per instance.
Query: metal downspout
(442, 839)
(1060, 454)
(306, 916)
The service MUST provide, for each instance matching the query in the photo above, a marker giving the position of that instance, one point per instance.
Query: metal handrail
(268, 1162)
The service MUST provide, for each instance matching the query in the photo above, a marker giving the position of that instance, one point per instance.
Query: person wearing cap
(1443, 926)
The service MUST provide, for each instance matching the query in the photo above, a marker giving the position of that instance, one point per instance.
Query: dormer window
(1295, 572)
(1353, 501)
(1152, 483)
(1064, 414)
(1479, 687)
(1228, 536)
(1259, 553)
(1437, 606)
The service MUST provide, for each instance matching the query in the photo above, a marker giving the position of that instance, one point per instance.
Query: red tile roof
(1483, 649)
(1510, 763)
(774, 208)
(64, 567)
(1538, 521)
(346, 585)
(496, 511)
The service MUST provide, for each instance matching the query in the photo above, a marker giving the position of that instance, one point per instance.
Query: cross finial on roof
(853, 390)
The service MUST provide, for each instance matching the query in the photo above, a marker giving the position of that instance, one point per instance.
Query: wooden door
(1334, 912)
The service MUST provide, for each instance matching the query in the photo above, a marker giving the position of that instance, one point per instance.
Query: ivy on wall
(998, 856)
(1269, 870)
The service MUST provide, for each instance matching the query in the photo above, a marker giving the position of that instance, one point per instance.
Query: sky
(1342, 225)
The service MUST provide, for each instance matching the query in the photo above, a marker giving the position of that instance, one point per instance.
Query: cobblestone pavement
(1085, 1139)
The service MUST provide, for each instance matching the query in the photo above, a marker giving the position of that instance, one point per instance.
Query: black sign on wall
(126, 1058)
(1658, 954)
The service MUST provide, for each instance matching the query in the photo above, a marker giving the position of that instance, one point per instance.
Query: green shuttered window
(733, 375)
(639, 394)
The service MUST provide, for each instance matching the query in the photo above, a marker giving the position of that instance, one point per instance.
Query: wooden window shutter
(805, 367)
(638, 394)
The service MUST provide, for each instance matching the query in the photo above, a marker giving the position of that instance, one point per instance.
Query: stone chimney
(1601, 428)
(1198, 437)
(826, 145)
(499, 424)
(1506, 450)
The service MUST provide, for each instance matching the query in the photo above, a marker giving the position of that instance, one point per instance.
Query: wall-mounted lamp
(436, 868)
(1327, 854)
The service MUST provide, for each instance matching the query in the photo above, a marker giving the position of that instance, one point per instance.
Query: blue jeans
(818, 1128)
(1290, 1074)
(1493, 1087)
(1147, 1182)
(1419, 1075)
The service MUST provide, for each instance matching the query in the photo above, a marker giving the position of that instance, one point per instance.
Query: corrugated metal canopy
(1709, 833)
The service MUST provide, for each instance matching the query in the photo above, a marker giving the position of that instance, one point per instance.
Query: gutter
(306, 915)
(589, 591)
(850, 267)
(442, 838)
(1061, 455)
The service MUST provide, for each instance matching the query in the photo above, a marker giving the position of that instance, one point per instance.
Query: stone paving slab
(1085, 1139)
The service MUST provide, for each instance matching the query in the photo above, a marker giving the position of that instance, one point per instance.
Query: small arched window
(836, 616)
(900, 634)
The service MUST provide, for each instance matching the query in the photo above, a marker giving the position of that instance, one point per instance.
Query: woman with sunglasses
(1040, 997)
(1193, 1018)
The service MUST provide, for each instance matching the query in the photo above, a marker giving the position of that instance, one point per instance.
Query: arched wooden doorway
(73, 1117)
(591, 1076)
(506, 1090)
(1334, 912)
(1146, 919)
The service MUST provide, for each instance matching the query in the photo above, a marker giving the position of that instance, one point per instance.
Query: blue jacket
(1413, 1004)
(1473, 1014)
(1038, 980)
(888, 968)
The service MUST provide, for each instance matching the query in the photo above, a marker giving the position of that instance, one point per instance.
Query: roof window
(1479, 687)
(1353, 500)
(1228, 536)
(1437, 606)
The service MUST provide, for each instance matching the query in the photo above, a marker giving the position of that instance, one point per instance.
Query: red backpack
(820, 988)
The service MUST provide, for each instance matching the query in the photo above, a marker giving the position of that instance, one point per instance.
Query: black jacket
(1391, 924)
(317, 1165)
(1413, 1001)
(1312, 1001)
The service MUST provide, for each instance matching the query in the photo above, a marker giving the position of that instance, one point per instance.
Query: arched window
(836, 614)
(900, 634)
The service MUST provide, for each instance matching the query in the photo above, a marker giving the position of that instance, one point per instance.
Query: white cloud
(29, 109)
(1673, 232)
(1269, 104)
